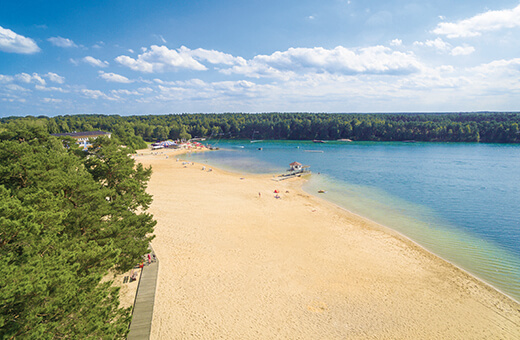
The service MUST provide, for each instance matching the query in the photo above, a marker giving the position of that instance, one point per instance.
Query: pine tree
(65, 221)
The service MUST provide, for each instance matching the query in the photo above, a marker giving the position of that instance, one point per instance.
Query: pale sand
(234, 265)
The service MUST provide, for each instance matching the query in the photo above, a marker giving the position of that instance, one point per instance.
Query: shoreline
(429, 280)
(387, 228)
(417, 244)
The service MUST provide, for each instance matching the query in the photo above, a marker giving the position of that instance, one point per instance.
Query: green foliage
(59, 235)
(132, 131)
(125, 182)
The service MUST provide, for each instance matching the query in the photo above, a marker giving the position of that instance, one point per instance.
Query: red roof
(294, 164)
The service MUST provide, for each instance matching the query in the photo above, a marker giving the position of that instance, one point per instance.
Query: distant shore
(236, 262)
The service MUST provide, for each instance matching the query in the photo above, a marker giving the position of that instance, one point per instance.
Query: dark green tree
(65, 221)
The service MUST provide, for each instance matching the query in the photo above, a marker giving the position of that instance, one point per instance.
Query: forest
(433, 127)
(68, 219)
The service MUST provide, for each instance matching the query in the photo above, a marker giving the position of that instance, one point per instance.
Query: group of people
(148, 259)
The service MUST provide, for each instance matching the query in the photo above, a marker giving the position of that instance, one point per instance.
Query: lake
(458, 200)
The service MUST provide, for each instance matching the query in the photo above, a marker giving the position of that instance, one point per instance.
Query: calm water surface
(460, 201)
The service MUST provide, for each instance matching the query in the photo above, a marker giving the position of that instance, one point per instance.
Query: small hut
(295, 166)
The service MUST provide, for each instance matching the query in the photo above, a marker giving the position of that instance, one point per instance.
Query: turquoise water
(460, 201)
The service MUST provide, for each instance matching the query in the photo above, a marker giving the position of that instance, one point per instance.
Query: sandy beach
(238, 263)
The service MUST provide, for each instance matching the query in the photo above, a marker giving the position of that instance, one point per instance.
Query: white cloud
(27, 78)
(340, 60)
(99, 44)
(438, 44)
(444, 47)
(62, 42)
(5, 79)
(126, 92)
(52, 100)
(501, 67)
(55, 78)
(48, 89)
(34, 78)
(485, 22)
(212, 56)
(17, 88)
(15, 43)
(94, 62)
(213, 91)
(160, 38)
(114, 78)
(161, 59)
(396, 42)
(462, 50)
(96, 94)
(145, 90)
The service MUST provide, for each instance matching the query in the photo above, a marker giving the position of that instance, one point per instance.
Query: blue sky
(147, 57)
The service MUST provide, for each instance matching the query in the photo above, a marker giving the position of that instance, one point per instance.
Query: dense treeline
(463, 127)
(67, 217)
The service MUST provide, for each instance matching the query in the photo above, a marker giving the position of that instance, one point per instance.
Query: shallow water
(460, 201)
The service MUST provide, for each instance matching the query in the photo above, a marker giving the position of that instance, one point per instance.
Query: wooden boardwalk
(141, 324)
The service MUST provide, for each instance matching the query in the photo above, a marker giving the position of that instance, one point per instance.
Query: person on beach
(133, 276)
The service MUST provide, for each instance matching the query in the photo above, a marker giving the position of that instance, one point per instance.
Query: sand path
(238, 266)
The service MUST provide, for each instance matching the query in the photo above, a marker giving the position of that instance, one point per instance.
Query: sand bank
(238, 263)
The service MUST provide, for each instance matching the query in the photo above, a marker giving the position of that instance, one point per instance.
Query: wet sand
(238, 263)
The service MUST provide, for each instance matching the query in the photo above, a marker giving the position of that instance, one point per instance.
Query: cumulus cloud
(17, 88)
(96, 94)
(438, 44)
(49, 89)
(444, 47)
(94, 62)
(15, 43)
(27, 78)
(5, 79)
(55, 78)
(161, 59)
(499, 67)
(201, 90)
(114, 78)
(62, 42)
(212, 56)
(462, 50)
(340, 60)
(396, 42)
(34, 78)
(484, 22)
